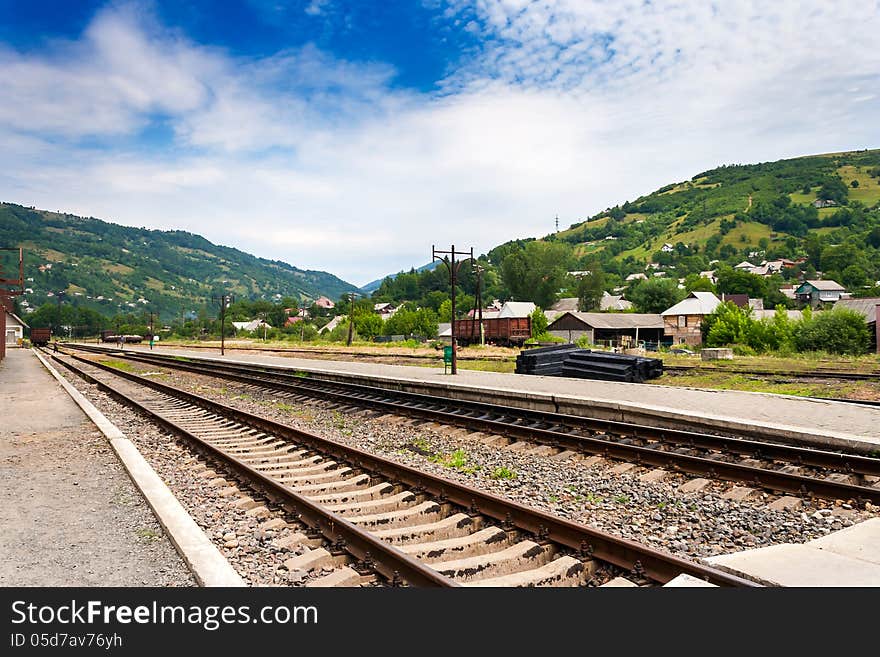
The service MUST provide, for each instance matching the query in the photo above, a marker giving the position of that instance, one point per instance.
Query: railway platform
(796, 420)
(71, 516)
(849, 557)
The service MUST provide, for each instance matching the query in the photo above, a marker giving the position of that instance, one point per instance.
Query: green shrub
(839, 331)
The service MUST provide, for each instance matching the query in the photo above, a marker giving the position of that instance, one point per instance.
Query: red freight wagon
(40, 336)
(500, 330)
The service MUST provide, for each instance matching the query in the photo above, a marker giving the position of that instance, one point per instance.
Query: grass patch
(779, 385)
(421, 446)
(503, 472)
(622, 499)
(119, 365)
(457, 460)
(147, 533)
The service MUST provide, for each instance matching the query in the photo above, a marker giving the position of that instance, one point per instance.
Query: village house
(816, 292)
(682, 321)
(324, 302)
(667, 248)
(516, 309)
(636, 277)
(251, 326)
(824, 203)
(15, 327)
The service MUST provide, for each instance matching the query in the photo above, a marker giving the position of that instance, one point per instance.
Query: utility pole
(478, 300)
(448, 258)
(224, 300)
(302, 319)
(557, 223)
(351, 296)
(152, 335)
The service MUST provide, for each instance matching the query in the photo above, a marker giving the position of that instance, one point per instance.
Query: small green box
(447, 355)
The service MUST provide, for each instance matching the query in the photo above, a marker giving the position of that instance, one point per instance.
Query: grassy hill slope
(114, 268)
(734, 206)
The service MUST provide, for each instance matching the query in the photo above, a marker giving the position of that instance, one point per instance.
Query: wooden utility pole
(448, 258)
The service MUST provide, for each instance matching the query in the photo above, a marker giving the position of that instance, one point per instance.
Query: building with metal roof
(614, 329)
(683, 321)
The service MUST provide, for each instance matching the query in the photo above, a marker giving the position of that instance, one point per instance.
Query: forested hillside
(113, 268)
(711, 222)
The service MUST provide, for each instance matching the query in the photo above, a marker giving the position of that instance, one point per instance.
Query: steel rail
(427, 407)
(589, 542)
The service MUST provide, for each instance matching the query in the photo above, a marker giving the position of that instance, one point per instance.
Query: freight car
(500, 330)
(109, 336)
(40, 336)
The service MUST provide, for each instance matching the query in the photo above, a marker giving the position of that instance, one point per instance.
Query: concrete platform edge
(207, 564)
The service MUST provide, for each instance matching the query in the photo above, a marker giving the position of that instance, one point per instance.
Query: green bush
(839, 331)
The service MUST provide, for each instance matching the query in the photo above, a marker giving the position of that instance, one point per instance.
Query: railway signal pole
(448, 258)
(224, 300)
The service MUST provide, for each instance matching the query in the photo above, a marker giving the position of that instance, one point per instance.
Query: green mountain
(820, 213)
(732, 211)
(113, 268)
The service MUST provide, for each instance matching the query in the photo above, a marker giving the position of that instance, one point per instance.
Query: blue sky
(350, 136)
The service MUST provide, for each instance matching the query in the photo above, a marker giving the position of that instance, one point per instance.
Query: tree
(444, 312)
(853, 276)
(539, 322)
(854, 184)
(537, 272)
(590, 287)
(422, 322)
(734, 281)
(655, 295)
(368, 325)
(833, 189)
(697, 283)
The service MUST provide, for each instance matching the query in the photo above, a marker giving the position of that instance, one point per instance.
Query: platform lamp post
(448, 259)
(224, 300)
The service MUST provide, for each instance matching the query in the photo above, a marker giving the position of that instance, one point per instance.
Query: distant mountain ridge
(114, 268)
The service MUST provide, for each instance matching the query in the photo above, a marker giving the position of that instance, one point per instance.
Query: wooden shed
(615, 329)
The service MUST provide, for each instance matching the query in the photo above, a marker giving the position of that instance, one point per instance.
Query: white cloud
(571, 106)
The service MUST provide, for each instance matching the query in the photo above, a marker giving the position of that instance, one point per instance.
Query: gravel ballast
(689, 524)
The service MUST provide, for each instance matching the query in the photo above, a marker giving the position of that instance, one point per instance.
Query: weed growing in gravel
(503, 472)
(147, 534)
(301, 374)
(338, 420)
(553, 498)
(661, 506)
(421, 446)
(622, 499)
(593, 499)
(458, 460)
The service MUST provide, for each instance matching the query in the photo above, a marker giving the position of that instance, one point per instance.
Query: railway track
(771, 466)
(381, 518)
